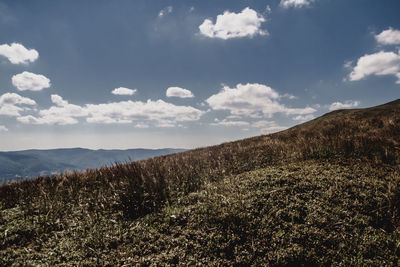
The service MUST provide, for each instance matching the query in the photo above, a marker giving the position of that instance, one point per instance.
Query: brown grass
(141, 187)
(135, 189)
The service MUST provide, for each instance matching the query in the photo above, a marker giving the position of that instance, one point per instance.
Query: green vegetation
(324, 192)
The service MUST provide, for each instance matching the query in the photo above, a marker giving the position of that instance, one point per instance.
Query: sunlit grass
(304, 195)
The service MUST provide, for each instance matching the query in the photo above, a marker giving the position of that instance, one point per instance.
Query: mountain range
(16, 165)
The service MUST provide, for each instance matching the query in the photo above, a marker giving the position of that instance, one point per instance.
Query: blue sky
(127, 74)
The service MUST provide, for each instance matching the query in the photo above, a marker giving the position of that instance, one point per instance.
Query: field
(324, 192)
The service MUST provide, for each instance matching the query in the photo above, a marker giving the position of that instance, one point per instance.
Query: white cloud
(58, 100)
(316, 105)
(179, 92)
(268, 127)
(263, 124)
(106, 120)
(381, 63)
(3, 128)
(10, 104)
(10, 110)
(272, 128)
(142, 126)
(304, 117)
(233, 117)
(165, 11)
(291, 97)
(295, 3)
(157, 113)
(51, 120)
(15, 99)
(253, 100)
(247, 23)
(17, 53)
(230, 123)
(123, 91)
(348, 65)
(30, 81)
(346, 104)
(62, 113)
(166, 124)
(388, 37)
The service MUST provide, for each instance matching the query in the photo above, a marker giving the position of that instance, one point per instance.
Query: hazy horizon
(95, 149)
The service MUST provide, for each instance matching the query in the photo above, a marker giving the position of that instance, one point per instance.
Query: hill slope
(32, 163)
(324, 192)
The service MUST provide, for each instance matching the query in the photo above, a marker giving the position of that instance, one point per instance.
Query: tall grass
(137, 188)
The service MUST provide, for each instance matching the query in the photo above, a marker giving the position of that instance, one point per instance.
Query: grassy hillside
(324, 192)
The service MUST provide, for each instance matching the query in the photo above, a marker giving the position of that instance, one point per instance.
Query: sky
(105, 74)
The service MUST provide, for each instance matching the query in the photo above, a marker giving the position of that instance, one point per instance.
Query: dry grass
(33, 212)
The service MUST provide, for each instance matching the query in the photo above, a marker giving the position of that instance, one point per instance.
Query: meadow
(326, 192)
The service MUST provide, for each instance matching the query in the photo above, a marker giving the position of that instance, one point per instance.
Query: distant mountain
(24, 164)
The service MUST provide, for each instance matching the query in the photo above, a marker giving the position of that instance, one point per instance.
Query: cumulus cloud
(60, 120)
(17, 53)
(346, 104)
(160, 112)
(142, 126)
(253, 100)
(62, 113)
(228, 25)
(381, 63)
(3, 128)
(30, 81)
(263, 124)
(123, 91)
(226, 122)
(388, 37)
(10, 110)
(166, 124)
(179, 92)
(304, 117)
(295, 3)
(15, 99)
(272, 129)
(267, 127)
(157, 113)
(165, 11)
(10, 104)
(291, 97)
(58, 100)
